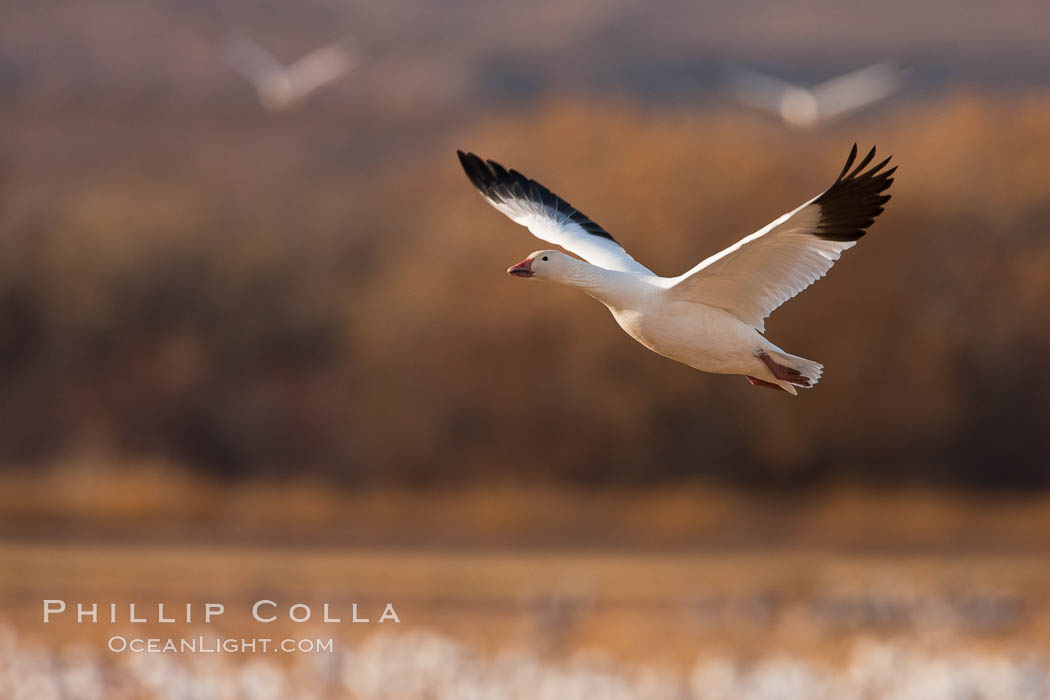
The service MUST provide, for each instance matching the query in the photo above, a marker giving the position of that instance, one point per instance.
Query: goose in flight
(712, 317)
(281, 87)
(800, 106)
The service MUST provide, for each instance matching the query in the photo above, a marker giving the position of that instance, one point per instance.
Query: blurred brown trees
(255, 298)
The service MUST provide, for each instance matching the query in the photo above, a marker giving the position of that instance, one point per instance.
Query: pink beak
(522, 269)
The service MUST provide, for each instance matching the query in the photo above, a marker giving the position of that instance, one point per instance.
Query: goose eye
(545, 257)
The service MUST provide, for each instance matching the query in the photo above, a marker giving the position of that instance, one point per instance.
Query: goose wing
(753, 277)
(321, 66)
(852, 91)
(547, 216)
(251, 60)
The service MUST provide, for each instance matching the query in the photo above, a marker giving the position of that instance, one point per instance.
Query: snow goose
(803, 107)
(712, 317)
(282, 87)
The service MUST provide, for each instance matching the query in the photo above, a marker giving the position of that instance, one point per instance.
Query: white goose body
(704, 337)
(712, 317)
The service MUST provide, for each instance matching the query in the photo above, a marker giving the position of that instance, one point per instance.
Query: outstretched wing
(760, 90)
(549, 217)
(251, 60)
(751, 278)
(321, 66)
(852, 91)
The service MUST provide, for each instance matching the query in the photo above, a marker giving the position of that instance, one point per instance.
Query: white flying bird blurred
(801, 106)
(281, 87)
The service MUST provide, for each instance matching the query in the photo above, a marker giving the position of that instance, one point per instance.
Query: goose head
(543, 265)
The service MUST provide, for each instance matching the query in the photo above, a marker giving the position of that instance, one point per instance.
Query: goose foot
(755, 381)
(783, 372)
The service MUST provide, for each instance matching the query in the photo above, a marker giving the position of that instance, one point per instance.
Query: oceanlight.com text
(217, 645)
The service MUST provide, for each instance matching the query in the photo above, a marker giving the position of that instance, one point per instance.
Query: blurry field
(90, 499)
(690, 622)
(527, 593)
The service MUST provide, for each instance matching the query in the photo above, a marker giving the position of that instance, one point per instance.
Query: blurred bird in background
(282, 87)
(806, 107)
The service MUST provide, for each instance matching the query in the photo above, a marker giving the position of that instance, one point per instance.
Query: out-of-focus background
(257, 344)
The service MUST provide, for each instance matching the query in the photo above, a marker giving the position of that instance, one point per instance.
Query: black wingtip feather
(474, 167)
(849, 162)
(867, 159)
(498, 185)
(851, 204)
